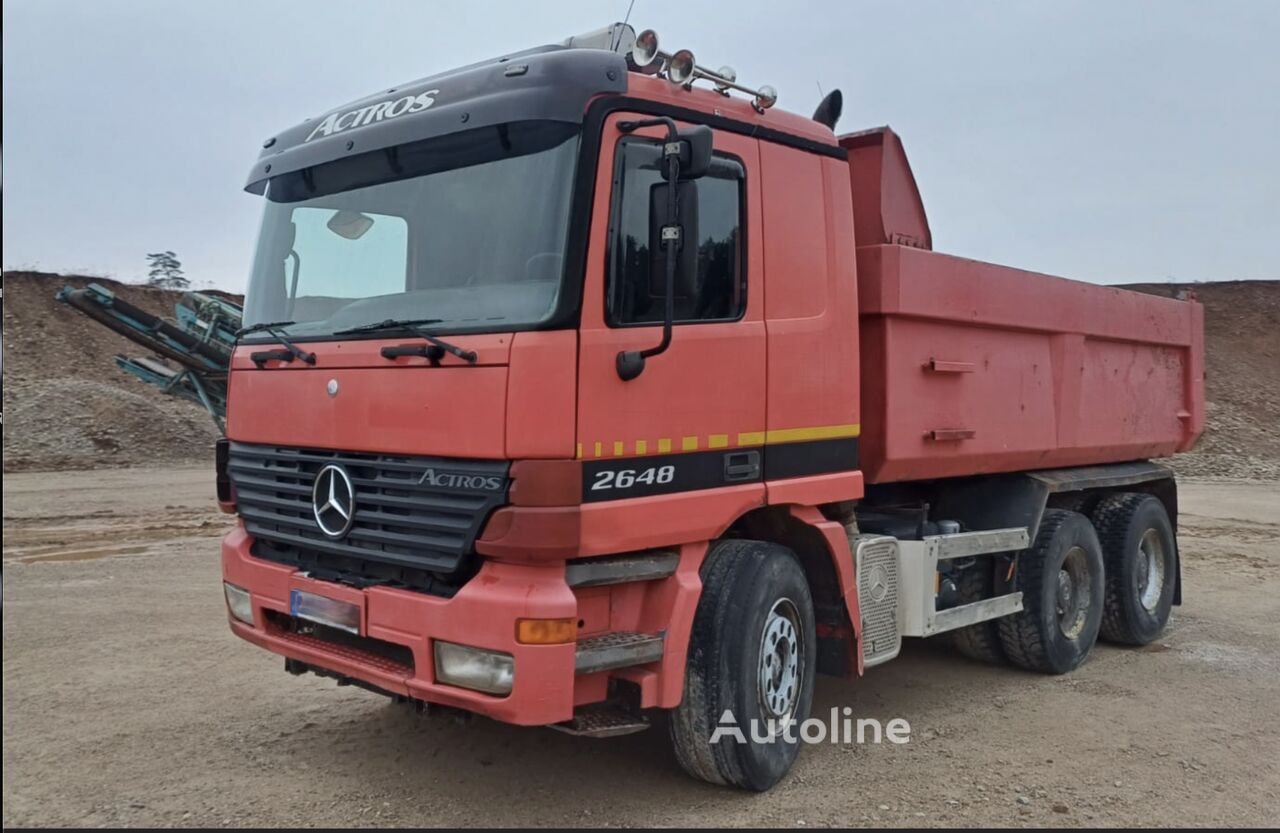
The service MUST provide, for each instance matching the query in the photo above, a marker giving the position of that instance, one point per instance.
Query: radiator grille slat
(413, 516)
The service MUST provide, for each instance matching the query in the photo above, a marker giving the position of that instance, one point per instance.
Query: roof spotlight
(725, 76)
(680, 67)
(645, 54)
(765, 98)
(682, 70)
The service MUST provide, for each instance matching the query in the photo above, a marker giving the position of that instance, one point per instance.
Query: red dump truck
(577, 387)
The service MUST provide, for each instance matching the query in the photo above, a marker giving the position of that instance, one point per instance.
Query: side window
(719, 290)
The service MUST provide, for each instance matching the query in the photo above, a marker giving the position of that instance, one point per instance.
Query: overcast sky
(1107, 141)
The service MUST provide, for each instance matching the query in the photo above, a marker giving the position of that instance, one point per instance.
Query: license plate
(344, 616)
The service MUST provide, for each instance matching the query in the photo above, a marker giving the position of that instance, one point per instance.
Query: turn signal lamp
(546, 631)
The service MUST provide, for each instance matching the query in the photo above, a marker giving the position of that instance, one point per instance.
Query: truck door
(694, 419)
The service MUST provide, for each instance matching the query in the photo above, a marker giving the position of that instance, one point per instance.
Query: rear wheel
(752, 656)
(1141, 557)
(1061, 579)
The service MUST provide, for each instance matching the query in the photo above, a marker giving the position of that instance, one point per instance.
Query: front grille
(415, 519)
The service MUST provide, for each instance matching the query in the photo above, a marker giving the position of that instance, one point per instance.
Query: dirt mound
(68, 422)
(67, 405)
(1242, 378)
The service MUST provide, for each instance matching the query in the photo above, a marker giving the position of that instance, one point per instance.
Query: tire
(1078, 502)
(751, 592)
(1141, 557)
(1055, 630)
(979, 641)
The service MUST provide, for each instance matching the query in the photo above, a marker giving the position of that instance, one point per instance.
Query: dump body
(972, 368)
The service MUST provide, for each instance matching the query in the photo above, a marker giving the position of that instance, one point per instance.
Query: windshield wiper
(387, 324)
(266, 325)
(272, 328)
(435, 352)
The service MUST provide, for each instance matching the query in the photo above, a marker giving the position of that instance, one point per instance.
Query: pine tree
(166, 271)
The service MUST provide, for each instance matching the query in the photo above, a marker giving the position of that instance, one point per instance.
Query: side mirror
(275, 260)
(686, 248)
(695, 151)
(673, 220)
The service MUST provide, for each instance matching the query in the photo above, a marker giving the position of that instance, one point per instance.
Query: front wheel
(749, 677)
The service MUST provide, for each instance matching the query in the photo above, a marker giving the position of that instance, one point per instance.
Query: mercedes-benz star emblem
(332, 387)
(879, 585)
(333, 501)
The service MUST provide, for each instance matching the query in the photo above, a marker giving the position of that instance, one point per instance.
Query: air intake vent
(877, 563)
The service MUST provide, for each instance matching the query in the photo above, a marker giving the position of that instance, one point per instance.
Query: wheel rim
(1151, 572)
(1074, 594)
(781, 660)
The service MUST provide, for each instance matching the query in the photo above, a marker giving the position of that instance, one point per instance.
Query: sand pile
(67, 405)
(1242, 379)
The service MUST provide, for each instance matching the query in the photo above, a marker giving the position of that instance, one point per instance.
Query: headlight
(488, 671)
(238, 602)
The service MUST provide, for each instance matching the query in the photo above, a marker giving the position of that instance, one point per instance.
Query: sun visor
(549, 83)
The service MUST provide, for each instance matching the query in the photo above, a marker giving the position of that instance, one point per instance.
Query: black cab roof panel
(549, 83)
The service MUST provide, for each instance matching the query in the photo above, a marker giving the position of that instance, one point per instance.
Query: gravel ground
(128, 702)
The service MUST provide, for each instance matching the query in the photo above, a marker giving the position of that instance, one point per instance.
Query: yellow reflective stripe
(824, 432)
(745, 438)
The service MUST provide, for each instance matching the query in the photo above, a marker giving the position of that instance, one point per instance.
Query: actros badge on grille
(333, 501)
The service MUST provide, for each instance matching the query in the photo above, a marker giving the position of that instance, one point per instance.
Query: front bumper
(482, 614)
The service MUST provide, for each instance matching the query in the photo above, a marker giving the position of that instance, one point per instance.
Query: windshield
(467, 229)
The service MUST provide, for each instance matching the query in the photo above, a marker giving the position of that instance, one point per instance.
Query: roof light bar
(680, 68)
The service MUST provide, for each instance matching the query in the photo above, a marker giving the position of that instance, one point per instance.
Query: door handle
(741, 465)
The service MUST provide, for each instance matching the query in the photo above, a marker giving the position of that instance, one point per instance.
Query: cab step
(617, 650)
(602, 720)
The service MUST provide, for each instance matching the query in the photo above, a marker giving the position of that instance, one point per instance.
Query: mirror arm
(293, 289)
(630, 363)
(658, 121)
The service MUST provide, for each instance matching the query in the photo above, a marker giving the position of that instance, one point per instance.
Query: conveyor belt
(156, 334)
(200, 344)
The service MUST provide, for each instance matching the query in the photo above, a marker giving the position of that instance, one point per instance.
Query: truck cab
(519, 408)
